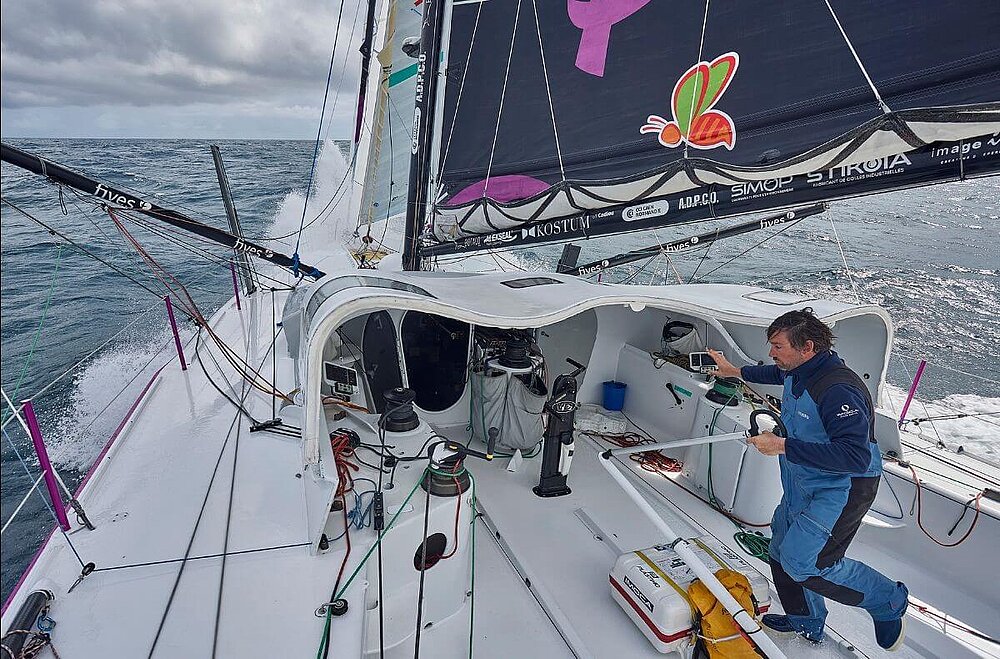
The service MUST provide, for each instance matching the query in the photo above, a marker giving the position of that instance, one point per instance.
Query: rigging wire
(319, 132)
(78, 246)
(52, 512)
(38, 334)
(843, 256)
(461, 86)
(744, 252)
(194, 531)
(503, 94)
(548, 93)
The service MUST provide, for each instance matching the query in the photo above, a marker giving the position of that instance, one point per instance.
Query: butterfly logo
(694, 97)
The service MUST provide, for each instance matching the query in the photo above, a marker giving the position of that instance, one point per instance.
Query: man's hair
(802, 326)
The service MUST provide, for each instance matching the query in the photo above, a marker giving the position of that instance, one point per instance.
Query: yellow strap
(663, 575)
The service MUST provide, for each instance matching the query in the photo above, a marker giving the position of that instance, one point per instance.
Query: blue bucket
(614, 395)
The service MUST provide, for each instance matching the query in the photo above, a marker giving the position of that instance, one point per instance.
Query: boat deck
(187, 479)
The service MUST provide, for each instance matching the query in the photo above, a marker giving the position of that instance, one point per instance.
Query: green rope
(38, 334)
(452, 474)
(754, 543)
(329, 610)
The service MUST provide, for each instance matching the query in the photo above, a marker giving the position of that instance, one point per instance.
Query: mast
(366, 58)
(423, 116)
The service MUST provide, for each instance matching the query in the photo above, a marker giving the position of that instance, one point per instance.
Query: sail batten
(609, 105)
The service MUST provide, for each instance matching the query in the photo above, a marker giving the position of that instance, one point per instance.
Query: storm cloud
(170, 68)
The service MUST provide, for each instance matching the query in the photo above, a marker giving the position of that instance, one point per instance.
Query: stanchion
(45, 464)
(177, 336)
(236, 287)
(912, 392)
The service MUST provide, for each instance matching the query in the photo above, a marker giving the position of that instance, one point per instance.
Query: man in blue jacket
(830, 470)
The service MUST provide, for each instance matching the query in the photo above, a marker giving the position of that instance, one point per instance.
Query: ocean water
(930, 257)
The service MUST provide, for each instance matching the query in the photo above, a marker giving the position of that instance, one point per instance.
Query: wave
(101, 394)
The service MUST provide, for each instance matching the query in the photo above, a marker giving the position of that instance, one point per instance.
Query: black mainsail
(567, 120)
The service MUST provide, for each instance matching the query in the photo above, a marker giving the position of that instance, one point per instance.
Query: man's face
(785, 356)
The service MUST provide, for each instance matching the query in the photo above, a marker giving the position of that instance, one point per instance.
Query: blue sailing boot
(889, 633)
(782, 625)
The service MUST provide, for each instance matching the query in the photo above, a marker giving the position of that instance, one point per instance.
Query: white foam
(78, 433)
(978, 435)
(334, 223)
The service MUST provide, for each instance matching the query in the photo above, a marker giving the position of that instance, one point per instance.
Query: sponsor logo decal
(415, 133)
(556, 227)
(645, 211)
(696, 122)
(846, 411)
(502, 237)
(859, 171)
(243, 246)
(765, 188)
(102, 192)
(563, 406)
(682, 245)
(696, 200)
(638, 594)
(595, 268)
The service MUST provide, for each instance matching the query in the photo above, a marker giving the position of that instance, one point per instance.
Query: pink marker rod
(236, 287)
(177, 336)
(913, 390)
(45, 464)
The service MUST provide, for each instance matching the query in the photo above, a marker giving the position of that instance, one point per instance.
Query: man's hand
(768, 443)
(726, 369)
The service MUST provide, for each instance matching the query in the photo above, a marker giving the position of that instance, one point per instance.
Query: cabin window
(527, 282)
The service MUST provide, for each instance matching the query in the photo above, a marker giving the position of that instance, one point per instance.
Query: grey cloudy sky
(175, 68)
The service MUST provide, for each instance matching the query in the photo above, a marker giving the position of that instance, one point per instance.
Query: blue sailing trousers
(809, 536)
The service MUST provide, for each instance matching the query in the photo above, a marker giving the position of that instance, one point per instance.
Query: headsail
(388, 162)
(582, 118)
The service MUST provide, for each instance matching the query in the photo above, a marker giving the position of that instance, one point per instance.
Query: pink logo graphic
(695, 95)
(595, 18)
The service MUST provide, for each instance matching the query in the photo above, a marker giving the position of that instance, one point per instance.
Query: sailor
(830, 469)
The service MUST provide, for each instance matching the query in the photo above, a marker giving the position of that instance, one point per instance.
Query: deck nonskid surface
(568, 564)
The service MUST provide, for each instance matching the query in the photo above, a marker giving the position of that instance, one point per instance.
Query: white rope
(701, 47)
(878, 97)
(503, 93)
(847, 268)
(23, 501)
(548, 92)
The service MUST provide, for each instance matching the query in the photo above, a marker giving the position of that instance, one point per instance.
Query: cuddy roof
(531, 299)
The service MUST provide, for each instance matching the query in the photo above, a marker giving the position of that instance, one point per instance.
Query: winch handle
(779, 427)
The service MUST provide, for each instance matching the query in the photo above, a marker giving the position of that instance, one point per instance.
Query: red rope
(977, 499)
